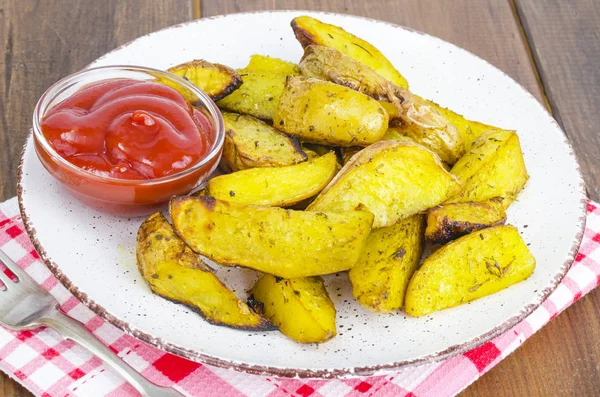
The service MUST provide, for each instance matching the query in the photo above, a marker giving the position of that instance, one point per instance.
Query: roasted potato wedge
(451, 221)
(393, 134)
(415, 117)
(277, 186)
(175, 272)
(309, 31)
(470, 130)
(299, 307)
(475, 265)
(250, 143)
(273, 240)
(329, 114)
(493, 167)
(391, 179)
(426, 125)
(391, 255)
(263, 81)
(329, 64)
(216, 80)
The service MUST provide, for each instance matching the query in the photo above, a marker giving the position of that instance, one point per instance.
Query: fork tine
(13, 267)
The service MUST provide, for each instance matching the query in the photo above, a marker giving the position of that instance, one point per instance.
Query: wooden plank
(44, 41)
(485, 27)
(562, 359)
(565, 39)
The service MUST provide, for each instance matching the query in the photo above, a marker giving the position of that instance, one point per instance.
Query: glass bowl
(121, 196)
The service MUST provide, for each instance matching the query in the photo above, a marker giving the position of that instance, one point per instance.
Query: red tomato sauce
(128, 129)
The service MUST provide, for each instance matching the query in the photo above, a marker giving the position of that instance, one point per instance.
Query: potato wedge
(391, 256)
(250, 143)
(277, 186)
(493, 167)
(475, 265)
(329, 64)
(426, 125)
(299, 307)
(216, 80)
(281, 242)
(469, 129)
(325, 113)
(175, 272)
(309, 31)
(451, 221)
(391, 179)
(416, 117)
(263, 81)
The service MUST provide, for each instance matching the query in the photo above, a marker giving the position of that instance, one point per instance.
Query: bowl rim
(42, 106)
(341, 372)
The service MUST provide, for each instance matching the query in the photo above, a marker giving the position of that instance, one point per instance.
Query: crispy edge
(235, 78)
(450, 230)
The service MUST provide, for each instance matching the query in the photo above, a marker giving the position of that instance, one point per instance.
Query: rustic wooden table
(551, 47)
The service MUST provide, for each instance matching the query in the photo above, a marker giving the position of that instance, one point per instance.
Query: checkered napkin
(49, 366)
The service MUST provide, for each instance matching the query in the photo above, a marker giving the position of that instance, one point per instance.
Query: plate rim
(304, 372)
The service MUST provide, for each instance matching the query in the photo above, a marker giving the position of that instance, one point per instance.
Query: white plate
(93, 253)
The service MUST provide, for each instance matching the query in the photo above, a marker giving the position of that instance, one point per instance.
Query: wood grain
(46, 40)
(485, 27)
(565, 39)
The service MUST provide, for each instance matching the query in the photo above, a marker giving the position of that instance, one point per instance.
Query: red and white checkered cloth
(49, 366)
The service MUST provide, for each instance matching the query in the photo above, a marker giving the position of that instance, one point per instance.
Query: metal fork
(25, 305)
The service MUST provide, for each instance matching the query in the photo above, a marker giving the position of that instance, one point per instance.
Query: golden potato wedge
(250, 143)
(450, 221)
(309, 31)
(475, 265)
(469, 129)
(175, 272)
(273, 240)
(216, 80)
(426, 125)
(329, 64)
(263, 81)
(276, 186)
(391, 179)
(299, 307)
(493, 167)
(415, 117)
(319, 150)
(329, 114)
(391, 256)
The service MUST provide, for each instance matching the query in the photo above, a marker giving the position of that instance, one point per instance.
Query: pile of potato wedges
(334, 165)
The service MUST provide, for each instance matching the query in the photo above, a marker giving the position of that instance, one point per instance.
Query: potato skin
(175, 272)
(272, 240)
(250, 143)
(391, 179)
(493, 167)
(475, 265)
(325, 113)
(450, 221)
(263, 81)
(391, 256)
(216, 80)
(309, 31)
(299, 307)
(275, 186)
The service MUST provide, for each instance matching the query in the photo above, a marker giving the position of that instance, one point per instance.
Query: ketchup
(128, 129)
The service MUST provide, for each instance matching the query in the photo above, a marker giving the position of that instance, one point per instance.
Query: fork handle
(74, 330)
